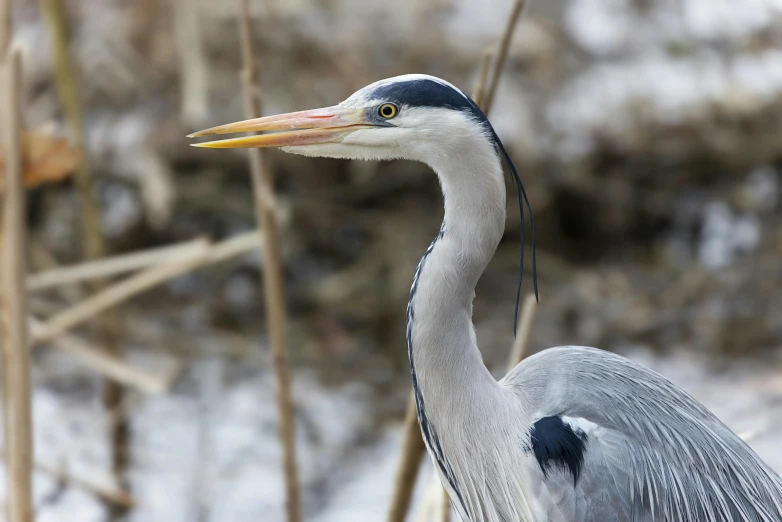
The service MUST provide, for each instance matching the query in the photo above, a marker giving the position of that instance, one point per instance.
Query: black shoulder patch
(556, 444)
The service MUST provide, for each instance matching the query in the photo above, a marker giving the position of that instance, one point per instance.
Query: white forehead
(364, 96)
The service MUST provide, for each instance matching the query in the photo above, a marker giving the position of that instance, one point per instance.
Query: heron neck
(444, 357)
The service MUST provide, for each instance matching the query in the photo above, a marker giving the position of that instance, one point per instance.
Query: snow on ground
(213, 455)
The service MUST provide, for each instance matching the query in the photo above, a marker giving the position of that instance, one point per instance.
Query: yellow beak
(326, 125)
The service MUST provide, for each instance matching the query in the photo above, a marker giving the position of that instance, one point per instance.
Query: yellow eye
(387, 110)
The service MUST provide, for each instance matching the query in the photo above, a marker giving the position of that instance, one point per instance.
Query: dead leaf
(47, 159)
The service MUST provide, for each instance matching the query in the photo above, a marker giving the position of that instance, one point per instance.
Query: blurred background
(648, 134)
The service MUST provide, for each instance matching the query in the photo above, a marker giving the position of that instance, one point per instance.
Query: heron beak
(326, 125)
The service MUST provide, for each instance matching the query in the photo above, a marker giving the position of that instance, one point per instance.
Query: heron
(570, 434)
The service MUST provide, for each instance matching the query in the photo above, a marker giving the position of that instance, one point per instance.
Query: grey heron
(572, 433)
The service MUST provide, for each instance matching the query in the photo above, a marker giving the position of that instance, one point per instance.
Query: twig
(93, 243)
(18, 418)
(502, 53)
(118, 497)
(5, 28)
(107, 365)
(483, 76)
(113, 266)
(273, 282)
(194, 68)
(111, 297)
(41, 261)
(56, 18)
(409, 464)
(120, 292)
(519, 348)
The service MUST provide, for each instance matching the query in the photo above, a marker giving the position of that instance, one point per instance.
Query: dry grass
(520, 345)
(16, 364)
(409, 465)
(273, 278)
(502, 54)
(117, 265)
(107, 365)
(480, 88)
(61, 474)
(112, 296)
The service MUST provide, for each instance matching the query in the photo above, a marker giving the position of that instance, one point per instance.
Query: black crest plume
(429, 93)
(522, 196)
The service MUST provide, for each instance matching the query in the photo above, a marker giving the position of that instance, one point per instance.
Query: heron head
(415, 117)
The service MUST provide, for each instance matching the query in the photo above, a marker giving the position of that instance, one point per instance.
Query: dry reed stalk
(234, 247)
(5, 28)
(409, 464)
(194, 67)
(520, 344)
(117, 265)
(5, 41)
(107, 365)
(118, 293)
(502, 53)
(480, 88)
(118, 497)
(41, 260)
(110, 297)
(18, 415)
(273, 281)
(93, 244)
(55, 15)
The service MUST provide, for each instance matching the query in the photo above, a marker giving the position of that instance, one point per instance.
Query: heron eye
(388, 110)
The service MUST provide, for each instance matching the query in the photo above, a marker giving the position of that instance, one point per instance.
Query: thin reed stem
(409, 464)
(107, 365)
(480, 88)
(112, 296)
(502, 53)
(16, 378)
(5, 28)
(520, 344)
(273, 281)
(117, 265)
(93, 243)
(119, 497)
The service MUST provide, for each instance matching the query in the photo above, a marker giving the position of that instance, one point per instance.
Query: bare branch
(502, 53)
(120, 292)
(5, 28)
(409, 463)
(273, 282)
(483, 76)
(16, 366)
(109, 366)
(119, 498)
(113, 266)
(519, 349)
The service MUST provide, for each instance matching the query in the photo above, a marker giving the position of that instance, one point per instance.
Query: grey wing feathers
(653, 452)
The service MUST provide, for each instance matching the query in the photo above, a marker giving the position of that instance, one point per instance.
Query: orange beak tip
(200, 133)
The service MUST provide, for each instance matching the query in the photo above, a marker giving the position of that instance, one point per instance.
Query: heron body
(572, 433)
